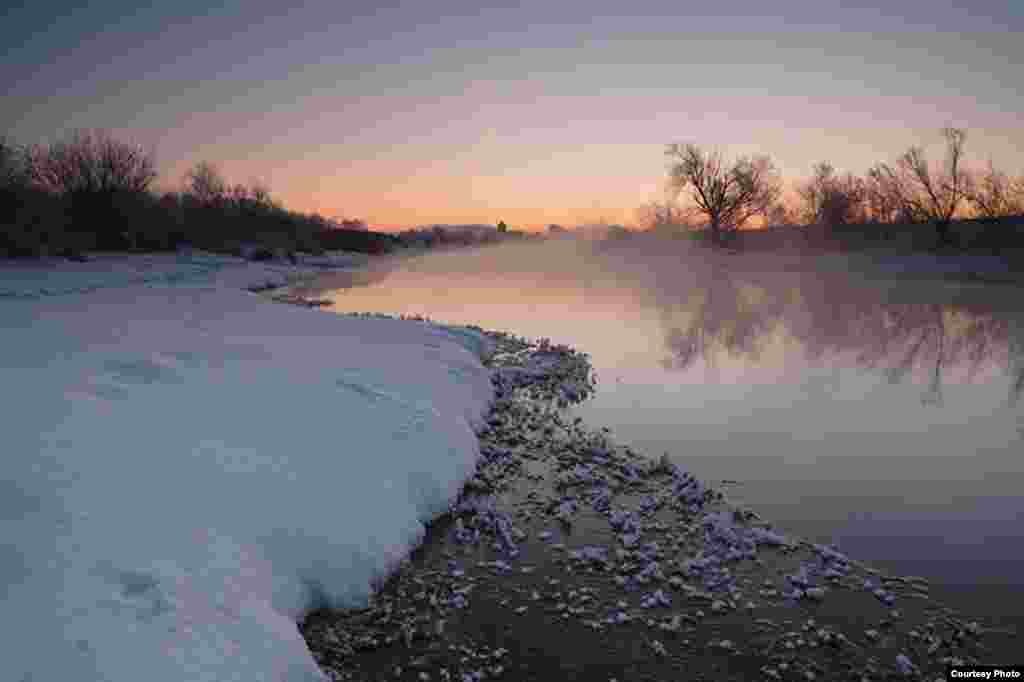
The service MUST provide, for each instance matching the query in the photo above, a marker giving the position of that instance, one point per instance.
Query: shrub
(101, 181)
(91, 191)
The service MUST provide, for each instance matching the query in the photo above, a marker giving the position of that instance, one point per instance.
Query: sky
(411, 113)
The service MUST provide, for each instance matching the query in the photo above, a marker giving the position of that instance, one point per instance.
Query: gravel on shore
(568, 556)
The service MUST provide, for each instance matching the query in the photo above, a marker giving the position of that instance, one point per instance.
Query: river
(880, 415)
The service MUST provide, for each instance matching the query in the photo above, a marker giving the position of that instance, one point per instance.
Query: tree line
(440, 236)
(91, 191)
(726, 195)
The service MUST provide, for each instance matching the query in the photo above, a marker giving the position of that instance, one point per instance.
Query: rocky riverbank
(570, 557)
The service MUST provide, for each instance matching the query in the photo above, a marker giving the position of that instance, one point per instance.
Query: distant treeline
(433, 236)
(93, 192)
(898, 202)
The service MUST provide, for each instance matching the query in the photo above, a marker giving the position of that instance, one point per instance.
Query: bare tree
(994, 194)
(91, 163)
(259, 192)
(665, 215)
(104, 184)
(205, 182)
(812, 193)
(729, 194)
(12, 165)
(883, 197)
(830, 199)
(780, 215)
(928, 193)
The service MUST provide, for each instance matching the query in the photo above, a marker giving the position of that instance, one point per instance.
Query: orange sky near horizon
(534, 194)
(406, 113)
(545, 180)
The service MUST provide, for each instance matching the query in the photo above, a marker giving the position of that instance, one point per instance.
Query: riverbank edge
(338, 639)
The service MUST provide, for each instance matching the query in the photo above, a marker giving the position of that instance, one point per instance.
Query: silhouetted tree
(25, 224)
(662, 216)
(12, 164)
(206, 185)
(91, 191)
(260, 194)
(829, 199)
(884, 200)
(994, 194)
(779, 215)
(928, 193)
(91, 163)
(728, 194)
(502, 227)
(105, 183)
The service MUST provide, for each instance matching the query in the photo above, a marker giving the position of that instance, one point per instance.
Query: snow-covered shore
(191, 468)
(188, 468)
(53, 276)
(570, 556)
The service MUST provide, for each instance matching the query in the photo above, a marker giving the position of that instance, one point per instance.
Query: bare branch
(930, 193)
(728, 194)
(204, 182)
(832, 200)
(91, 162)
(994, 194)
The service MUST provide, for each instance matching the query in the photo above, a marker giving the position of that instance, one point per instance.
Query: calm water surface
(881, 416)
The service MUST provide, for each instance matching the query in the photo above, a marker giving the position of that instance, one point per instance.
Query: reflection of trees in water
(900, 339)
(912, 336)
(831, 317)
(725, 315)
(1015, 351)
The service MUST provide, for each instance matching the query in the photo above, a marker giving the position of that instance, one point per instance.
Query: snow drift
(188, 468)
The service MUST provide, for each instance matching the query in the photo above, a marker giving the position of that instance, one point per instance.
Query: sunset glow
(452, 112)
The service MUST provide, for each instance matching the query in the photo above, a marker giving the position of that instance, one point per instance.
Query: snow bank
(54, 276)
(188, 468)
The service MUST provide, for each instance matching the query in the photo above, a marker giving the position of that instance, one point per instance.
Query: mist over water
(880, 414)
